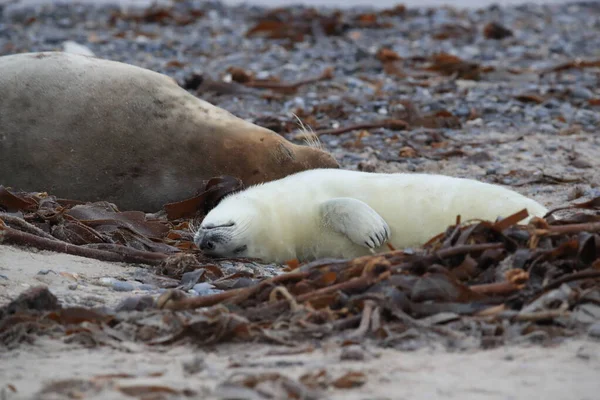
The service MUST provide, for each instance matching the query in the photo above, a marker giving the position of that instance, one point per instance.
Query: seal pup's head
(230, 229)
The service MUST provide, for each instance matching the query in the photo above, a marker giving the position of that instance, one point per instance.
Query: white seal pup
(339, 213)
(91, 129)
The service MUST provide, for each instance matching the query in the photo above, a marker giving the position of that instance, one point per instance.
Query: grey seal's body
(92, 129)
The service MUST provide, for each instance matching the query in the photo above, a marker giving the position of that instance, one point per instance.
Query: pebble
(75, 48)
(582, 93)
(474, 122)
(194, 365)
(462, 111)
(547, 128)
(120, 286)
(205, 289)
(594, 330)
(45, 272)
(587, 117)
(353, 353)
(136, 303)
(189, 279)
(106, 281)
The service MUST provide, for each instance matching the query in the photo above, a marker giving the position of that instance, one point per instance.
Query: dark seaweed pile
(543, 279)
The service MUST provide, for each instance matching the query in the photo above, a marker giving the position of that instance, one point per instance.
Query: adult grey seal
(339, 213)
(92, 129)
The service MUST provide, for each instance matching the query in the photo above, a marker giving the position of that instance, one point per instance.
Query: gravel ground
(521, 124)
(501, 138)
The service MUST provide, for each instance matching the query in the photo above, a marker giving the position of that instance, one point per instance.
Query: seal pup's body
(339, 213)
(92, 129)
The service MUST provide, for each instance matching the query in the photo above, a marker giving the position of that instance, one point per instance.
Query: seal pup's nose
(206, 244)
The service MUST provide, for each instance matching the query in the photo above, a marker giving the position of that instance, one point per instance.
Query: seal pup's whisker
(242, 228)
(193, 225)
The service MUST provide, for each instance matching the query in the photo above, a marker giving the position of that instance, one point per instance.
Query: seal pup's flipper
(355, 219)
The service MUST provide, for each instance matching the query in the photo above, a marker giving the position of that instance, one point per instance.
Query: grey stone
(205, 289)
(582, 93)
(594, 330)
(120, 286)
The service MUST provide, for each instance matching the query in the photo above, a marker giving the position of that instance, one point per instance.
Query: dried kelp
(469, 280)
(99, 230)
(157, 14)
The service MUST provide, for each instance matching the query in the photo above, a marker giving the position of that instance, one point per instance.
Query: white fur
(286, 219)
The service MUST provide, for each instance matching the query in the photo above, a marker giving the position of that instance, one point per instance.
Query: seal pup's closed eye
(338, 213)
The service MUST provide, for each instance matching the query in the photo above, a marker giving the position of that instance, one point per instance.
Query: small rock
(263, 74)
(146, 286)
(587, 117)
(189, 279)
(72, 286)
(547, 128)
(462, 111)
(205, 289)
(137, 303)
(587, 313)
(37, 298)
(575, 193)
(45, 271)
(495, 31)
(194, 366)
(594, 330)
(193, 81)
(581, 164)
(541, 113)
(475, 122)
(120, 286)
(479, 157)
(583, 353)
(570, 130)
(55, 36)
(353, 353)
(106, 281)
(75, 48)
(581, 93)
(65, 23)
(366, 166)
